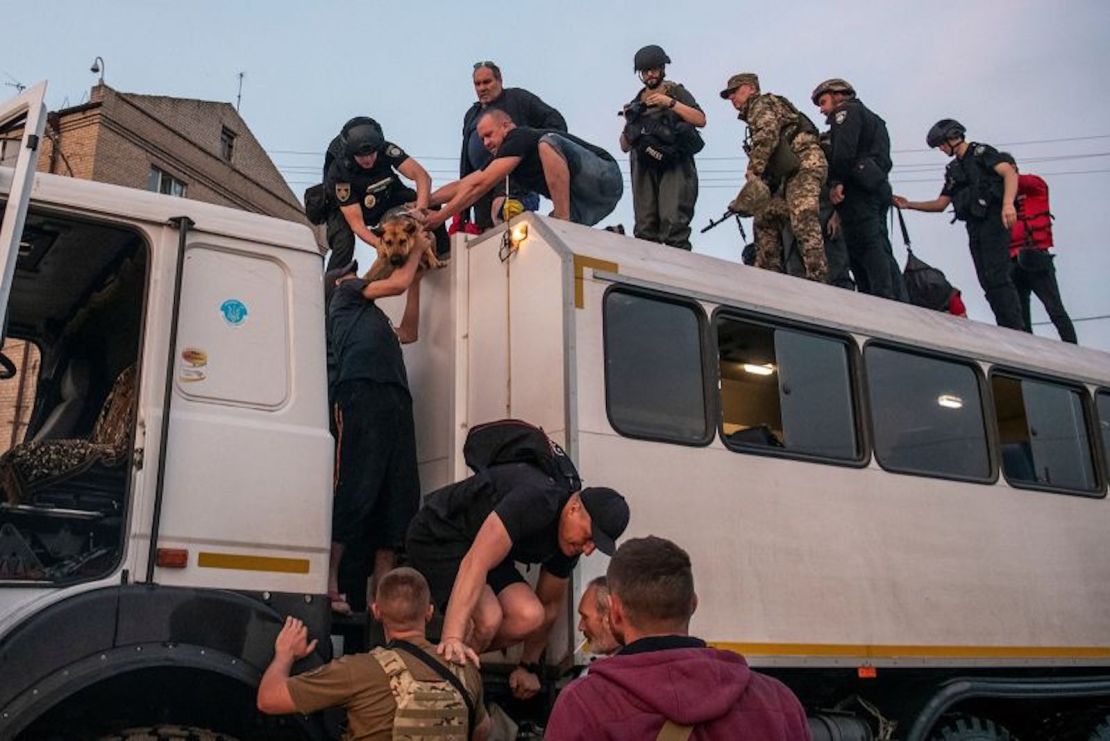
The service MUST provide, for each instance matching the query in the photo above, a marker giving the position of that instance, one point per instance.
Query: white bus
(900, 513)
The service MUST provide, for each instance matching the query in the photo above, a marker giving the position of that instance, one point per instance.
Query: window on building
(926, 414)
(161, 181)
(654, 370)
(227, 143)
(1042, 431)
(785, 389)
(17, 393)
(1104, 425)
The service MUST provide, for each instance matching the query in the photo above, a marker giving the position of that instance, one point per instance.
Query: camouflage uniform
(766, 116)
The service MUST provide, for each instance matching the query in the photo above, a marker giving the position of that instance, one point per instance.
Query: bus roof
(714, 280)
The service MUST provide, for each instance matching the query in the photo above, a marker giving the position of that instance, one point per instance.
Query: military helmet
(834, 85)
(362, 136)
(651, 56)
(943, 130)
(752, 199)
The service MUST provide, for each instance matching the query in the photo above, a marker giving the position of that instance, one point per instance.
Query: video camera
(633, 110)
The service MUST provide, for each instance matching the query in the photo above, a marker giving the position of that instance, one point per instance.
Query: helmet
(650, 57)
(753, 198)
(835, 85)
(362, 136)
(943, 130)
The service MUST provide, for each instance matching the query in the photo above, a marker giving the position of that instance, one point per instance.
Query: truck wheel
(167, 733)
(1102, 731)
(970, 728)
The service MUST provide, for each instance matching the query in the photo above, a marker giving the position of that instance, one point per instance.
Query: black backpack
(516, 441)
(927, 286)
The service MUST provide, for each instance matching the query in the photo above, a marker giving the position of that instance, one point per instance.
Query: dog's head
(398, 238)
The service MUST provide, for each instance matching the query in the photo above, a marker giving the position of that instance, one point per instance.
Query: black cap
(333, 275)
(608, 515)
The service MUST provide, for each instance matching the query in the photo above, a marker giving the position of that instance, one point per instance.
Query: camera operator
(660, 131)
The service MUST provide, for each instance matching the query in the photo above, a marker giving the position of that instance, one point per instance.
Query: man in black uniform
(467, 536)
(981, 185)
(661, 134)
(582, 180)
(859, 163)
(361, 181)
(377, 487)
(524, 108)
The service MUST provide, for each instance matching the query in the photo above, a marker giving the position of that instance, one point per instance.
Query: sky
(1028, 77)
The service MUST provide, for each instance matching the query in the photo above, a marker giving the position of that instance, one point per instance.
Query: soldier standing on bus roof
(981, 185)
(660, 132)
(859, 187)
(785, 151)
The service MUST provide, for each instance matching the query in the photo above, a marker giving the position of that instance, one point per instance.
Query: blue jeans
(595, 182)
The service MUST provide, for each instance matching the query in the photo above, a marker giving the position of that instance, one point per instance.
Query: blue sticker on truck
(234, 311)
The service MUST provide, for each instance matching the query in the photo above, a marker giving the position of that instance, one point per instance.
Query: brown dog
(400, 233)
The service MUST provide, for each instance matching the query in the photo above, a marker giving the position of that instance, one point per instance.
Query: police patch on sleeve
(840, 116)
(393, 150)
(369, 200)
(342, 191)
(979, 150)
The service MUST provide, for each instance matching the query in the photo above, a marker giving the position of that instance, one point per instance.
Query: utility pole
(239, 97)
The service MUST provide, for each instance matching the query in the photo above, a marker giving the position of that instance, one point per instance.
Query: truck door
(29, 110)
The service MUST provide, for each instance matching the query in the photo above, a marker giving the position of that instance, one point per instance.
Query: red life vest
(1034, 222)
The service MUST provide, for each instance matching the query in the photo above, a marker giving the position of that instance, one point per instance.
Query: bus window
(1043, 434)
(1104, 425)
(785, 389)
(654, 376)
(926, 415)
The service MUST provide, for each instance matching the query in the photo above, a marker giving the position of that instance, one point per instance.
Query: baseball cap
(741, 78)
(608, 516)
(335, 274)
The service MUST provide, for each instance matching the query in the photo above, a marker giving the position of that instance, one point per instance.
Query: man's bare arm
(936, 205)
(397, 283)
(415, 172)
(409, 329)
(470, 189)
(291, 644)
(352, 212)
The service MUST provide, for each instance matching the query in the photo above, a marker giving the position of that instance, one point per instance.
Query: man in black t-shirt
(467, 536)
(377, 488)
(583, 181)
(362, 179)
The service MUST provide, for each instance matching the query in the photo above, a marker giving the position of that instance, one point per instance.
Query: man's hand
(833, 227)
(457, 652)
(658, 99)
(900, 201)
(1009, 215)
(292, 642)
(523, 683)
(836, 194)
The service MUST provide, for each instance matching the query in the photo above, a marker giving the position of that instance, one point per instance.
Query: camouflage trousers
(796, 204)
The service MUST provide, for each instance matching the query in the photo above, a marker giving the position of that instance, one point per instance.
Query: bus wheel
(1102, 731)
(167, 733)
(970, 728)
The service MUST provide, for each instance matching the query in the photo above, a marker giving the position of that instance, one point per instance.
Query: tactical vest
(974, 187)
(660, 137)
(426, 709)
(783, 162)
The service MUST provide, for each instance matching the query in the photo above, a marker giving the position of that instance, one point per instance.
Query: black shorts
(439, 563)
(377, 486)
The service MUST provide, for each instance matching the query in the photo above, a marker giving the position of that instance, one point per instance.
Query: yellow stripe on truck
(241, 562)
(903, 652)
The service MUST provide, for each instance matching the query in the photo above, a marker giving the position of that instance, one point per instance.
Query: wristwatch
(674, 102)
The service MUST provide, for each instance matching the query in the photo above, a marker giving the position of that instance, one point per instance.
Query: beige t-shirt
(359, 684)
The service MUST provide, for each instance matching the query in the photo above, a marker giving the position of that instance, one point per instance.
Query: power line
(1074, 320)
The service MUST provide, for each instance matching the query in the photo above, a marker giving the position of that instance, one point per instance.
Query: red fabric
(466, 226)
(1033, 212)
(956, 305)
(628, 698)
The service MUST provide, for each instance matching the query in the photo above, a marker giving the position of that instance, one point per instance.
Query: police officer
(661, 134)
(981, 185)
(785, 151)
(361, 181)
(859, 188)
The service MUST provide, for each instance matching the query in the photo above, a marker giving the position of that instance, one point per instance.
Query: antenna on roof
(239, 97)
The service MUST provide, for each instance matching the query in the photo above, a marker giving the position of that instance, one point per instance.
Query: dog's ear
(378, 231)
(410, 226)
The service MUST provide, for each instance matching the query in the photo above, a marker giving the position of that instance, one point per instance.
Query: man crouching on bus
(634, 694)
(467, 536)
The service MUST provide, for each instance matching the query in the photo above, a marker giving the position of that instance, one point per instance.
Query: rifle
(723, 218)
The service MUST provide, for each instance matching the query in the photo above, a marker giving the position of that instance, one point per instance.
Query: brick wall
(15, 406)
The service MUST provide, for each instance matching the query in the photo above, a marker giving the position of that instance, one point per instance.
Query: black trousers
(1043, 284)
(863, 220)
(989, 243)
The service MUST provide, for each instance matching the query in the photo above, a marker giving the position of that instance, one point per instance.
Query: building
(179, 146)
